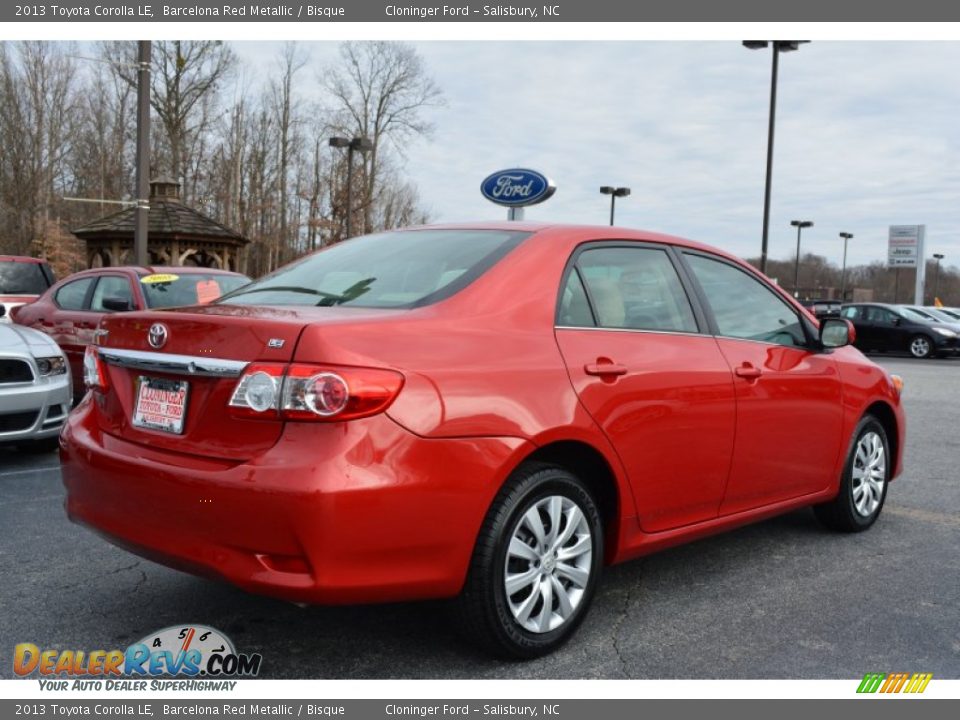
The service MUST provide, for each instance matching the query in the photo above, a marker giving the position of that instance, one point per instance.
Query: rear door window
(634, 288)
(73, 295)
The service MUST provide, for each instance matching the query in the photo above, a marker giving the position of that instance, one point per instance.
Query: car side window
(636, 289)
(574, 306)
(851, 313)
(881, 316)
(111, 286)
(72, 295)
(744, 307)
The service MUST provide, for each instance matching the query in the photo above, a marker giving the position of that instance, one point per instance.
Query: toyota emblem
(157, 336)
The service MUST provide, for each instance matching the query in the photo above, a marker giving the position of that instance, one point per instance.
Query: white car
(35, 388)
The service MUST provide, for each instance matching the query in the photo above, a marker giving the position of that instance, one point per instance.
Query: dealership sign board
(517, 187)
(905, 245)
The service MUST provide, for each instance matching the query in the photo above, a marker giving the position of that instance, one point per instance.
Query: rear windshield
(22, 278)
(172, 290)
(389, 270)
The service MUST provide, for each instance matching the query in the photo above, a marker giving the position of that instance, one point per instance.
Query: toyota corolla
(490, 413)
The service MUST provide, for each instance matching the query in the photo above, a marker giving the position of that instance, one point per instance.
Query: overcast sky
(867, 135)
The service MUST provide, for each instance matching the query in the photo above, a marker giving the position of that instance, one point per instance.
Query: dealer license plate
(161, 404)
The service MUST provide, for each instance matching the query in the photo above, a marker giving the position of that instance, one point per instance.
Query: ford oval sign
(517, 187)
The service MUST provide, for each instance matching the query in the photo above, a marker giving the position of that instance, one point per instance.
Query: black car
(900, 329)
(823, 308)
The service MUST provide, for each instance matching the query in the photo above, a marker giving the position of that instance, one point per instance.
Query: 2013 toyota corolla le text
(488, 412)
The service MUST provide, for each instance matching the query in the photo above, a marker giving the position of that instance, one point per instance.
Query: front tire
(863, 486)
(921, 346)
(535, 566)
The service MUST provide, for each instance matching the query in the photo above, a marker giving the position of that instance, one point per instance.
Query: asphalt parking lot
(782, 599)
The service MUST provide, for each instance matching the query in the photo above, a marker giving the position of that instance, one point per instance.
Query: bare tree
(187, 76)
(380, 91)
(285, 107)
(38, 129)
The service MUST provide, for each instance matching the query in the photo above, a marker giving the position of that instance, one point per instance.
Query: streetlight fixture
(799, 225)
(843, 273)
(936, 276)
(363, 144)
(614, 193)
(779, 46)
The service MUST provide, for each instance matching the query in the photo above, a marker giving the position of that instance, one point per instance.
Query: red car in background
(22, 280)
(71, 310)
(489, 412)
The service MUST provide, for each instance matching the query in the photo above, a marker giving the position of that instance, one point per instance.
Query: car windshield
(388, 270)
(940, 315)
(915, 314)
(22, 278)
(169, 289)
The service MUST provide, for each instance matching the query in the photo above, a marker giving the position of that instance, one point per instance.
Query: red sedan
(71, 310)
(489, 412)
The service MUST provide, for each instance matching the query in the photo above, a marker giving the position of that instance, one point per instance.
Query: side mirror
(116, 304)
(837, 332)
(3, 310)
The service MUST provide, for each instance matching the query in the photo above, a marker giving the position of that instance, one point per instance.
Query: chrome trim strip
(635, 330)
(685, 334)
(176, 364)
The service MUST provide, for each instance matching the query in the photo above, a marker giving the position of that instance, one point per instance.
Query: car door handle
(748, 372)
(604, 366)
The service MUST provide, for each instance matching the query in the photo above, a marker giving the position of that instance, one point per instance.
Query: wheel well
(592, 468)
(882, 412)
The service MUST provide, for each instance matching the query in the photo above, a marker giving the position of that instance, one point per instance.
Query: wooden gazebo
(177, 235)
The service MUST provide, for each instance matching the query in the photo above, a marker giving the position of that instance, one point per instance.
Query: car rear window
(403, 269)
(174, 290)
(22, 278)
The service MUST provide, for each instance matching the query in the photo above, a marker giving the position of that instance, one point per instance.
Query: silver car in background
(35, 389)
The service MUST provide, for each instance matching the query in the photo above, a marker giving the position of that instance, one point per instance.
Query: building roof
(168, 218)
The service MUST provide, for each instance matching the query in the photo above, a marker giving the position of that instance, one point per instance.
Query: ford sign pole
(517, 188)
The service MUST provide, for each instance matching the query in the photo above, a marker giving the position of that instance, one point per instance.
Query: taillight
(94, 370)
(313, 392)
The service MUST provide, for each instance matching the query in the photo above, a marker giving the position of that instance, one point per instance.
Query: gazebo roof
(168, 219)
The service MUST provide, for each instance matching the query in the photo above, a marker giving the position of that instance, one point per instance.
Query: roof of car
(611, 232)
(158, 269)
(22, 258)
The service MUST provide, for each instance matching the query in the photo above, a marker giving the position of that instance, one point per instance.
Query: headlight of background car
(51, 366)
(945, 332)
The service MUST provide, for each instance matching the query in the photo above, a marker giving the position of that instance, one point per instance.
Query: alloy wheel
(548, 564)
(868, 474)
(920, 346)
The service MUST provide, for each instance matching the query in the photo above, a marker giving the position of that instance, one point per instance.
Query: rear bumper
(334, 513)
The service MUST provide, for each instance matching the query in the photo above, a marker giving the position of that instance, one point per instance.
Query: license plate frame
(161, 416)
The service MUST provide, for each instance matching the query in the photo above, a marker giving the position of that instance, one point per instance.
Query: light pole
(799, 225)
(936, 276)
(363, 144)
(779, 46)
(843, 272)
(614, 193)
(140, 240)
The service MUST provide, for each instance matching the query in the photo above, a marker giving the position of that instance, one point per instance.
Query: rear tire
(863, 485)
(535, 566)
